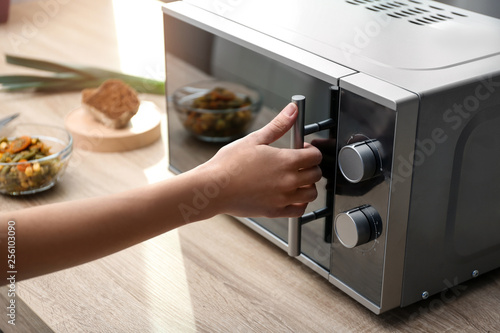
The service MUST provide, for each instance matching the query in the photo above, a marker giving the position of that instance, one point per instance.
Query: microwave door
(202, 46)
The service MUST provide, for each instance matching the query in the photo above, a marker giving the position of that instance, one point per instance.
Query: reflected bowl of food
(217, 111)
(33, 157)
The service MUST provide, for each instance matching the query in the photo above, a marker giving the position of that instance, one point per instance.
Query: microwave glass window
(194, 55)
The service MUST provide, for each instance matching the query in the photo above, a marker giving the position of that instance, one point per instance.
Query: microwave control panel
(364, 144)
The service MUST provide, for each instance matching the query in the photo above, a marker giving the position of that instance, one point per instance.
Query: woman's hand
(255, 179)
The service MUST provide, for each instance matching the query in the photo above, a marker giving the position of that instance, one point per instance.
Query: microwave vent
(416, 12)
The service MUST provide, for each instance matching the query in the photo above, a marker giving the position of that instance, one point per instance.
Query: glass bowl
(28, 171)
(217, 111)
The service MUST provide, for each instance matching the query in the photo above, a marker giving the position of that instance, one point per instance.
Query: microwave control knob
(358, 226)
(359, 161)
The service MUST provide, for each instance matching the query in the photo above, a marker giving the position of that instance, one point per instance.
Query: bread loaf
(113, 104)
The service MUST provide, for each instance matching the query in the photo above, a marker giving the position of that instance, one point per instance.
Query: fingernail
(291, 109)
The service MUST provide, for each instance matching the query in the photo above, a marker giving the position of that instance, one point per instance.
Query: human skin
(245, 178)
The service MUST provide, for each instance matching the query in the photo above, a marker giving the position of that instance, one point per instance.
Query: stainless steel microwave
(410, 94)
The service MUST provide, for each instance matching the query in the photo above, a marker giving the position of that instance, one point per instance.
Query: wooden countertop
(212, 276)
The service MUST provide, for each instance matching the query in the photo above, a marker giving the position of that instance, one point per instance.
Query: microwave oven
(402, 98)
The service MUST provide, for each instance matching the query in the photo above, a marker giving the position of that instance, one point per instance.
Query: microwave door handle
(299, 130)
(297, 142)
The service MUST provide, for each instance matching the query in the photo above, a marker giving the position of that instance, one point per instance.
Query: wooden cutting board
(88, 134)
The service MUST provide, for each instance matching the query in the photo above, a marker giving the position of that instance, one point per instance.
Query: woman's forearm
(245, 178)
(57, 236)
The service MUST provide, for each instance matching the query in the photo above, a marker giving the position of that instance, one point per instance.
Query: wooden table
(212, 276)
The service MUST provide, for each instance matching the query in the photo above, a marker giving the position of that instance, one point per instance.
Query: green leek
(68, 77)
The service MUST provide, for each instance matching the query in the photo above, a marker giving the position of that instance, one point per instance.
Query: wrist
(206, 193)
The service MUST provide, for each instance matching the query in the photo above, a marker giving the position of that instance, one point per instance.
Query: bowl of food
(33, 157)
(217, 111)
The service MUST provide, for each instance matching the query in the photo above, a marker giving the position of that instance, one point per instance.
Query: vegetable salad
(22, 167)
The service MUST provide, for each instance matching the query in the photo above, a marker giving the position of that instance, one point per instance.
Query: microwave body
(411, 181)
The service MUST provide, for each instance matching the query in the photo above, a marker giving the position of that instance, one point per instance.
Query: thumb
(281, 124)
